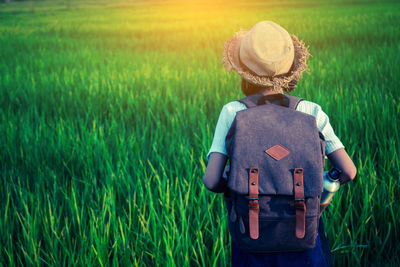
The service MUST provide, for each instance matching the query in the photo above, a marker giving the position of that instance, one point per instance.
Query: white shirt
(228, 114)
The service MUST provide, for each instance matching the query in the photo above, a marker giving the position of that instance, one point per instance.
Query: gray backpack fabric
(277, 157)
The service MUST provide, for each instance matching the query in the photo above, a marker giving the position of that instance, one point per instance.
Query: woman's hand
(341, 160)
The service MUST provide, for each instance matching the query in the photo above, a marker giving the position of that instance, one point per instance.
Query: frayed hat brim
(231, 61)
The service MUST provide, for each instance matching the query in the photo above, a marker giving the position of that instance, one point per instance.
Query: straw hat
(266, 55)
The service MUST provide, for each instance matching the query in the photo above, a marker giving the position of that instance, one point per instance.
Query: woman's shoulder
(309, 107)
(232, 107)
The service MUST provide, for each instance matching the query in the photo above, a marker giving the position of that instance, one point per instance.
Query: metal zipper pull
(241, 225)
(233, 215)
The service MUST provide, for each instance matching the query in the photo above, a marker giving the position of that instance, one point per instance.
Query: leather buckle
(300, 204)
(253, 205)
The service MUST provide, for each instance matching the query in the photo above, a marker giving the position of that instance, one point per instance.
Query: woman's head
(266, 56)
(249, 88)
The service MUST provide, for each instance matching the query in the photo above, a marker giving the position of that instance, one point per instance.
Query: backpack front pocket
(276, 235)
(277, 225)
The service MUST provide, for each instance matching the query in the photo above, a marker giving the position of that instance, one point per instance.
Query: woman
(270, 61)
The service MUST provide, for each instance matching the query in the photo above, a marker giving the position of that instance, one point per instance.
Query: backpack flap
(275, 140)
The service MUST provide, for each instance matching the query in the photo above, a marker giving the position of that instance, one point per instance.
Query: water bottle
(331, 185)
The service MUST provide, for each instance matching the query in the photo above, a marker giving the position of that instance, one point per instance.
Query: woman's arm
(216, 164)
(213, 177)
(341, 160)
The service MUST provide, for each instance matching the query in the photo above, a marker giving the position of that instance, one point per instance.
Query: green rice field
(108, 109)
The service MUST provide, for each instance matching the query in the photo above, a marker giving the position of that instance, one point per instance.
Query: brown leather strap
(299, 203)
(254, 207)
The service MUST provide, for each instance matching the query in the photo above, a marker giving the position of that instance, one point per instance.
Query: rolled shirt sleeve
(332, 142)
(224, 123)
(221, 130)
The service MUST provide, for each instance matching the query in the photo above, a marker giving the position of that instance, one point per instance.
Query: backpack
(275, 181)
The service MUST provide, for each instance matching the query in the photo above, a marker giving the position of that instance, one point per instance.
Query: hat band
(276, 76)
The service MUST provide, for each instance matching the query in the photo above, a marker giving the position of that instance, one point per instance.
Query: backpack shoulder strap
(252, 101)
(293, 101)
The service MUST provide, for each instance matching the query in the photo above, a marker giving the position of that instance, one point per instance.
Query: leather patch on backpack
(277, 152)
